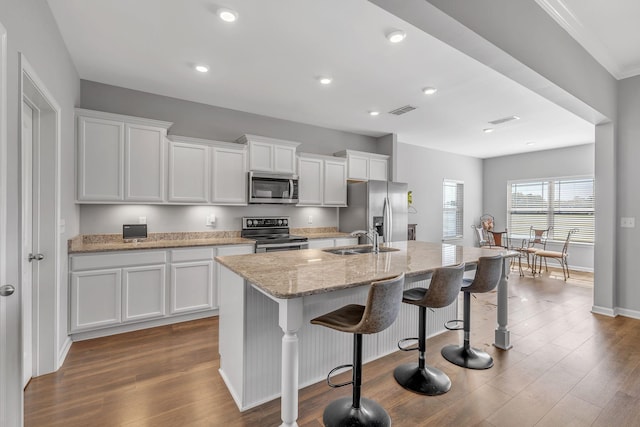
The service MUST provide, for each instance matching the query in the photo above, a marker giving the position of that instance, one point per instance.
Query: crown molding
(563, 15)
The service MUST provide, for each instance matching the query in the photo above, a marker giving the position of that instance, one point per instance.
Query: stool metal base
(468, 357)
(429, 381)
(341, 413)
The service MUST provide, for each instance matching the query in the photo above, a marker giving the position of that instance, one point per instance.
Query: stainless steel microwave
(273, 188)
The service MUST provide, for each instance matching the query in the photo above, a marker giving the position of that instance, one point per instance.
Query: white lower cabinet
(346, 241)
(95, 299)
(143, 290)
(191, 286)
(118, 291)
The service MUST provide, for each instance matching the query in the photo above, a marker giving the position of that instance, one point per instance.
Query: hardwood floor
(567, 367)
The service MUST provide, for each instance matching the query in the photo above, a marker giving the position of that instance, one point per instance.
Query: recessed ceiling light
(530, 143)
(429, 90)
(202, 68)
(396, 36)
(374, 113)
(487, 130)
(325, 80)
(227, 15)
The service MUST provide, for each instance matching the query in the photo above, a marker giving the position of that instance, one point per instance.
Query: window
(452, 209)
(562, 203)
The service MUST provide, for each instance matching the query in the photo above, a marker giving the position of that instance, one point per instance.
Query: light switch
(142, 220)
(628, 222)
(310, 220)
(210, 221)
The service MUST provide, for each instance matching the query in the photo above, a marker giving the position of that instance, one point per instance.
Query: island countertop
(293, 274)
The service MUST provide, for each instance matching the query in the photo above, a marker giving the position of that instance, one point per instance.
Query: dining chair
(537, 241)
(561, 257)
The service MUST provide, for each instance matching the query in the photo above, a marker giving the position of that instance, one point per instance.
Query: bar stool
(487, 276)
(383, 305)
(443, 290)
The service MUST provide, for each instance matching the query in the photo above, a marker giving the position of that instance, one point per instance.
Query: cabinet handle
(36, 257)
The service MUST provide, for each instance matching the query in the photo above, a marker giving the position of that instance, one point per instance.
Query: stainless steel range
(271, 233)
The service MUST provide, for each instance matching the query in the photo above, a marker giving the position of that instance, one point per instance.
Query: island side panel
(231, 341)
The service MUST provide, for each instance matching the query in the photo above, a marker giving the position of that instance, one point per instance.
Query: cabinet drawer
(196, 254)
(119, 259)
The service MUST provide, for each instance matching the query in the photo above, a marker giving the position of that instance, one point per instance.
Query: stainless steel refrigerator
(379, 204)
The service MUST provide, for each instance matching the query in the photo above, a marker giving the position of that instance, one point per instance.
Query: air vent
(402, 110)
(504, 120)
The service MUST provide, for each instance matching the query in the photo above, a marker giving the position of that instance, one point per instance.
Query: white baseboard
(605, 311)
(634, 314)
(62, 353)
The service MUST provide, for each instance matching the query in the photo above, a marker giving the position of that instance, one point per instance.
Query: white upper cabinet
(207, 171)
(323, 180)
(120, 158)
(311, 171)
(188, 172)
(335, 182)
(229, 180)
(144, 163)
(363, 166)
(270, 155)
(100, 159)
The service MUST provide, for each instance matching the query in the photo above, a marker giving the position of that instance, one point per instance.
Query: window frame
(459, 210)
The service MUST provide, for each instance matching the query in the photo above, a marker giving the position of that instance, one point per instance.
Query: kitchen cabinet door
(346, 241)
(310, 181)
(261, 156)
(143, 291)
(95, 299)
(100, 159)
(378, 169)
(358, 167)
(321, 243)
(335, 183)
(144, 163)
(284, 159)
(188, 172)
(192, 286)
(229, 177)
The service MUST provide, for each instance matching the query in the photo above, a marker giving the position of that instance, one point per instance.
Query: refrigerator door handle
(388, 219)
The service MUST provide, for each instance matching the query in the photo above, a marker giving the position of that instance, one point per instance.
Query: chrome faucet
(372, 235)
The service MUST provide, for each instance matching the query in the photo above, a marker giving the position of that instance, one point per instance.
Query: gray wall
(424, 169)
(628, 196)
(32, 30)
(205, 121)
(563, 162)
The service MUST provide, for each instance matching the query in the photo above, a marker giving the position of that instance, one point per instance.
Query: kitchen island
(267, 346)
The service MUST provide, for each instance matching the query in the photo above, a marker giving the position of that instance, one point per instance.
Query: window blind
(452, 209)
(563, 204)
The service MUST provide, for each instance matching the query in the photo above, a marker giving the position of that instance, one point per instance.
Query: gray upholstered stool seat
(487, 276)
(380, 311)
(443, 290)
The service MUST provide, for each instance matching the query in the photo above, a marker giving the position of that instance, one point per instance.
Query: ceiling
(268, 62)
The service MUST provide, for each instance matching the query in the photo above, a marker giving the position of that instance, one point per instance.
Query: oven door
(273, 188)
(273, 247)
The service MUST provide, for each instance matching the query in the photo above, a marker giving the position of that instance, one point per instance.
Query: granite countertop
(113, 242)
(294, 274)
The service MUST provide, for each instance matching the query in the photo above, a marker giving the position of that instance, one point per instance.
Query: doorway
(44, 332)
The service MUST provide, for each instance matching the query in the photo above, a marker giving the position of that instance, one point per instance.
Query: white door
(27, 241)
(10, 390)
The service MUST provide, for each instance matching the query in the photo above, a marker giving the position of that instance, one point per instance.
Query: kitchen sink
(358, 250)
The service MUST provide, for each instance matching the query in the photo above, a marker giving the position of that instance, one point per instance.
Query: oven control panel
(265, 222)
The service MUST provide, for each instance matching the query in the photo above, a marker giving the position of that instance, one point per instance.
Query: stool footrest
(454, 328)
(408, 348)
(337, 368)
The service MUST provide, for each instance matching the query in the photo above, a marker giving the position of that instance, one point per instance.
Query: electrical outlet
(310, 220)
(628, 222)
(142, 220)
(210, 221)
